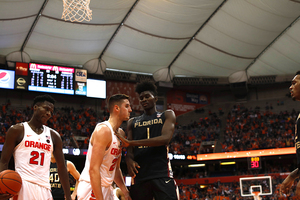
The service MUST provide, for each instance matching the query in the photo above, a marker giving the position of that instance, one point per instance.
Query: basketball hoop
(256, 195)
(76, 10)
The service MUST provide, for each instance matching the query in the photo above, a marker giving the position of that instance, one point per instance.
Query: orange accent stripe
(245, 154)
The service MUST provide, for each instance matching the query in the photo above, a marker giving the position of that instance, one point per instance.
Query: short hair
(43, 98)
(297, 73)
(116, 99)
(146, 86)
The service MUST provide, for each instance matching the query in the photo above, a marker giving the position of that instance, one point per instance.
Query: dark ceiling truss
(33, 25)
(115, 33)
(262, 52)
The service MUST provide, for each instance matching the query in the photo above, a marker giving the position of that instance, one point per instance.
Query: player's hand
(73, 197)
(124, 141)
(132, 167)
(286, 185)
(5, 196)
(127, 196)
(297, 193)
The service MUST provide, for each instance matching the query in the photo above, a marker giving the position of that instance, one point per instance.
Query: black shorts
(160, 189)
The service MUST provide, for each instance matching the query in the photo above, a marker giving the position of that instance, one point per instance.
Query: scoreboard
(52, 79)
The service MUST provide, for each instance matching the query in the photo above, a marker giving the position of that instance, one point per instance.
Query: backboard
(252, 186)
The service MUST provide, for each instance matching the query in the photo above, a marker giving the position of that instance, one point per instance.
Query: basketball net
(256, 195)
(76, 10)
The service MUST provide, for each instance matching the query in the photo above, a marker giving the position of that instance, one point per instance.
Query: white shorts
(31, 191)
(84, 192)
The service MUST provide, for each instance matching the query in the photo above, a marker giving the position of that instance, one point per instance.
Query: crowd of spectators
(70, 122)
(187, 138)
(232, 191)
(246, 129)
(67, 121)
(251, 129)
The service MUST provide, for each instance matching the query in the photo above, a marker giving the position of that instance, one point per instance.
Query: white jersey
(32, 156)
(108, 166)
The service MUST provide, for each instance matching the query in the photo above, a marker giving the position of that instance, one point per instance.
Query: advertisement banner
(182, 102)
(80, 88)
(21, 82)
(21, 69)
(7, 79)
(80, 75)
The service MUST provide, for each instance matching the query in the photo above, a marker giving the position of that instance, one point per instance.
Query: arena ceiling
(164, 38)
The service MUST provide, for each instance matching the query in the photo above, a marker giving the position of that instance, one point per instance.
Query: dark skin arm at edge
(60, 161)
(14, 136)
(131, 164)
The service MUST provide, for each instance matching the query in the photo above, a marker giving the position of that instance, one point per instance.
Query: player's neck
(115, 123)
(150, 111)
(36, 127)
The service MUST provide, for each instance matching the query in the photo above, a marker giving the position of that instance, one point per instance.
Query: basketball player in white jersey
(102, 165)
(32, 143)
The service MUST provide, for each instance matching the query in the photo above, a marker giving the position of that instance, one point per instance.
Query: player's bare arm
(14, 136)
(166, 134)
(60, 161)
(73, 171)
(131, 164)
(119, 180)
(100, 140)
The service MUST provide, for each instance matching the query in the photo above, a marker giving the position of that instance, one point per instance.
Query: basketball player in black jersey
(148, 160)
(56, 187)
(288, 182)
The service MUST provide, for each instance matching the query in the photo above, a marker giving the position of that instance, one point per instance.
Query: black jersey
(56, 187)
(154, 161)
(297, 141)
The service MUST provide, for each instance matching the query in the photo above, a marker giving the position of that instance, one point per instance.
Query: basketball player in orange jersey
(102, 165)
(32, 143)
(288, 182)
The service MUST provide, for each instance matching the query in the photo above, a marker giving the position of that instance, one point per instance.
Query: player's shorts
(31, 191)
(159, 188)
(84, 192)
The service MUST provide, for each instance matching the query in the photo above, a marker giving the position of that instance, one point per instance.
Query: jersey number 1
(36, 157)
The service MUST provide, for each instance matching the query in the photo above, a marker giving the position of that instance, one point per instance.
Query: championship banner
(182, 102)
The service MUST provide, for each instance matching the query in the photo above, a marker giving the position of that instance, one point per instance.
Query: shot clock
(254, 162)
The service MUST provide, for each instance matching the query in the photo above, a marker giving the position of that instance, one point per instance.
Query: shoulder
(170, 113)
(69, 165)
(16, 131)
(55, 137)
(130, 121)
(101, 130)
(54, 134)
(17, 128)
